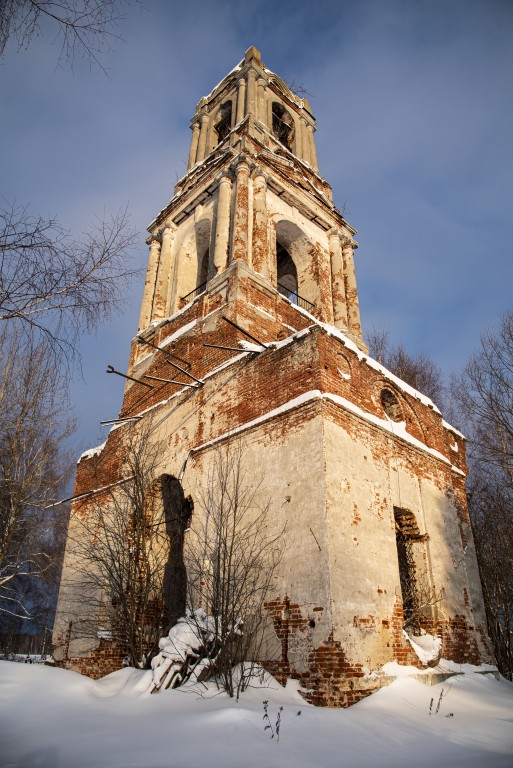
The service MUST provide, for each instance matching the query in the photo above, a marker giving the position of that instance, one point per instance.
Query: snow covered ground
(51, 718)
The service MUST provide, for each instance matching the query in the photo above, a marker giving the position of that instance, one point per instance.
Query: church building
(250, 331)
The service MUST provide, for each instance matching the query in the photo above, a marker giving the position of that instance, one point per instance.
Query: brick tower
(362, 471)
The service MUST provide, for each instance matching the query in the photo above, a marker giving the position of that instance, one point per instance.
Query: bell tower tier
(253, 194)
(250, 339)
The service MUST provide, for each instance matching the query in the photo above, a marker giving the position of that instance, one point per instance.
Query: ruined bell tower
(251, 298)
(254, 196)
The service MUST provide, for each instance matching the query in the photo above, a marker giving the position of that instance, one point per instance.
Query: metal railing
(295, 298)
(281, 130)
(224, 127)
(195, 292)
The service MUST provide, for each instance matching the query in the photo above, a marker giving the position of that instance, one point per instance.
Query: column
(241, 101)
(164, 274)
(251, 94)
(194, 145)
(311, 147)
(305, 141)
(240, 224)
(260, 113)
(202, 144)
(149, 285)
(260, 222)
(338, 291)
(222, 224)
(353, 310)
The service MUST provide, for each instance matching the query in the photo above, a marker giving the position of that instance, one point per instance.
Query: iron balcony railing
(195, 292)
(295, 298)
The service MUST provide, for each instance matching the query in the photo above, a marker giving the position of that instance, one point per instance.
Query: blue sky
(414, 108)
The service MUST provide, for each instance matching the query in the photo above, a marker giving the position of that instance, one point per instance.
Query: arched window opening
(407, 536)
(224, 124)
(283, 125)
(177, 511)
(286, 274)
(391, 405)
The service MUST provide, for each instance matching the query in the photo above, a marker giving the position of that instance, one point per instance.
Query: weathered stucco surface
(346, 453)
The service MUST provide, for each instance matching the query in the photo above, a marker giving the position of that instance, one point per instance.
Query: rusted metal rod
(141, 340)
(257, 341)
(110, 369)
(186, 373)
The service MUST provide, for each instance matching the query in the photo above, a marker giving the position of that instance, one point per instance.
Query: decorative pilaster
(338, 291)
(203, 137)
(311, 147)
(161, 302)
(149, 285)
(305, 141)
(194, 145)
(222, 224)
(251, 93)
(241, 100)
(260, 236)
(240, 224)
(353, 309)
(260, 113)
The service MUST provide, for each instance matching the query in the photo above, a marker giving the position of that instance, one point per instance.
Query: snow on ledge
(444, 666)
(452, 429)
(92, 452)
(176, 335)
(394, 428)
(332, 331)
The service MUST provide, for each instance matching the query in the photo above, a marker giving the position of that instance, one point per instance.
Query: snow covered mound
(51, 718)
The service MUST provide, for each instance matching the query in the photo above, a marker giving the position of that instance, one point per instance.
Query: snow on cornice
(394, 428)
(92, 452)
(332, 331)
(176, 335)
(237, 68)
(452, 429)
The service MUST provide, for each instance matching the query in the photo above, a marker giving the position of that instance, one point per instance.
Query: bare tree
(83, 27)
(120, 551)
(491, 509)
(232, 557)
(55, 287)
(33, 470)
(419, 371)
(484, 394)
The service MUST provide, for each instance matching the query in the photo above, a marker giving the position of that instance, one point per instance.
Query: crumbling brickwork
(340, 443)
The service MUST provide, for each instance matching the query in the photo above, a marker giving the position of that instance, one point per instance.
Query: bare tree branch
(33, 424)
(55, 287)
(419, 371)
(232, 557)
(484, 395)
(118, 551)
(85, 28)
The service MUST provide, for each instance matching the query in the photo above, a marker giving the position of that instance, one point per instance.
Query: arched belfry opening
(283, 124)
(286, 273)
(202, 232)
(293, 258)
(223, 125)
(193, 263)
(203, 268)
